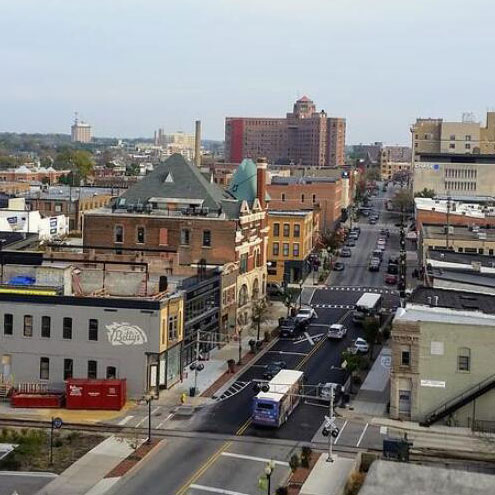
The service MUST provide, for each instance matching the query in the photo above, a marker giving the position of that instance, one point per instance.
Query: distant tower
(197, 144)
(80, 131)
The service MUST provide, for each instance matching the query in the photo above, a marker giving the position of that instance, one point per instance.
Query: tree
(78, 161)
(371, 328)
(331, 240)
(403, 200)
(372, 174)
(259, 314)
(425, 193)
(288, 297)
(353, 363)
(133, 169)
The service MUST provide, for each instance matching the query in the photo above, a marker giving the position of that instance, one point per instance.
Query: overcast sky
(131, 66)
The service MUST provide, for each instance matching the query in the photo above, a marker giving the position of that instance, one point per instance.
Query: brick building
(305, 137)
(175, 209)
(69, 201)
(300, 193)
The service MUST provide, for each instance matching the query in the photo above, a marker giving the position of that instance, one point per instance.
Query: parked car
(385, 232)
(305, 314)
(354, 235)
(273, 289)
(271, 369)
(337, 331)
(338, 266)
(392, 269)
(390, 279)
(351, 243)
(373, 221)
(360, 346)
(345, 252)
(377, 253)
(374, 266)
(356, 229)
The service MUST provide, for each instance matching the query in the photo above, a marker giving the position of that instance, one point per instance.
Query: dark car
(289, 328)
(271, 369)
(374, 266)
(350, 243)
(385, 232)
(345, 252)
(338, 266)
(392, 269)
(356, 229)
(391, 279)
(373, 221)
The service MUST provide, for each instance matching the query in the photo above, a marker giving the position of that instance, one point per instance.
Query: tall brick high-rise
(303, 137)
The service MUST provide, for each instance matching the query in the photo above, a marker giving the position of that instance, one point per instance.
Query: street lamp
(270, 466)
(301, 282)
(148, 398)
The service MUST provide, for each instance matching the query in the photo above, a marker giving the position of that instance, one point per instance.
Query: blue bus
(272, 408)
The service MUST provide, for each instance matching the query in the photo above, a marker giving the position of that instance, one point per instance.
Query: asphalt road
(198, 466)
(23, 483)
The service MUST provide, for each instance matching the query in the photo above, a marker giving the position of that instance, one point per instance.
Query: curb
(132, 472)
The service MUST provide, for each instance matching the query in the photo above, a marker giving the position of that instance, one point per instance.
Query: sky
(131, 66)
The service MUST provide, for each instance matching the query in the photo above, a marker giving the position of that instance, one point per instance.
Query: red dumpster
(95, 394)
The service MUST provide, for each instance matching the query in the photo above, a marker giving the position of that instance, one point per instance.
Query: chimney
(261, 167)
(197, 144)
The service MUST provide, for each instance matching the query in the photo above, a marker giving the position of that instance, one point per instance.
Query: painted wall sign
(432, 383)
(124, 333)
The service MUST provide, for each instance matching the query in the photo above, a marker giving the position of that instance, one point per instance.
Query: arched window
(256, 289)
(464, 359)
(257, 258)
(243, 295)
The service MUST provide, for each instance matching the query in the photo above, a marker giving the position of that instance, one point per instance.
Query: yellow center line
(242, 429)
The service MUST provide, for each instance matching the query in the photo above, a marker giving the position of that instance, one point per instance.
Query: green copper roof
(243, 183)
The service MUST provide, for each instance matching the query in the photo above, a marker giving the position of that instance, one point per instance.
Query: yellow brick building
(289, 245)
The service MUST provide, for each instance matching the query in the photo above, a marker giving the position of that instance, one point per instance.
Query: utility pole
(402, 260)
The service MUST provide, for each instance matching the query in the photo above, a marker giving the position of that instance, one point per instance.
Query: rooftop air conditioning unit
(482, 235)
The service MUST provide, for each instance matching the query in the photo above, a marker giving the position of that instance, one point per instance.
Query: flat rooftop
(73, 193)
(457, 233)
(453, 299)
(278, 180)
(289, 213)
(460, 258)
(411, 479)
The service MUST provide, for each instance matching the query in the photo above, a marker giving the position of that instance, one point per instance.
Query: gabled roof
(177, 178)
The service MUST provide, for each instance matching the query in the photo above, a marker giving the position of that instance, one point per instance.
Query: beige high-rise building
(80, 131)
(394, 161)
(467, 136)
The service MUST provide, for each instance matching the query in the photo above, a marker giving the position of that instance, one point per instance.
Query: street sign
(57, 423)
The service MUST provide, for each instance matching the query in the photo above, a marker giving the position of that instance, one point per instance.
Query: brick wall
(440, 218)
(99, 230)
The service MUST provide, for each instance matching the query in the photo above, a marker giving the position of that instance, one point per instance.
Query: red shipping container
(36, 400)
(95, 394)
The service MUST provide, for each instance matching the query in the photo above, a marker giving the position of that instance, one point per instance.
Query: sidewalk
(90, 469)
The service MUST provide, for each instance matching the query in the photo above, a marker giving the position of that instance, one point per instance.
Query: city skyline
(157, 65)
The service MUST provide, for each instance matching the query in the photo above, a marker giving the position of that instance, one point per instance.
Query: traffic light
(330, 430)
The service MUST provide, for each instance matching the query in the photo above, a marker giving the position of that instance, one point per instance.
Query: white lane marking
(310, 340)
(166, 419)
(122, 422)
(362, 435)
(155, 410)
(29, 474)
(252, 458)
(141, 422)
(289, 352)
(215, 490)
(340, 432)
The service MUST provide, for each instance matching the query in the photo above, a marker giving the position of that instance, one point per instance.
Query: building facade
(176, 210)
(465, 137)
(442, 347)
(305, 137)
(394, 161)
(69, 201)
(459, 175)
(90, 337)
(80, 132)
(290, 245)
(300, 193)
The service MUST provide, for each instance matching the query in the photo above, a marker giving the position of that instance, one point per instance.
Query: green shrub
(306, 453)
(294, 462)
